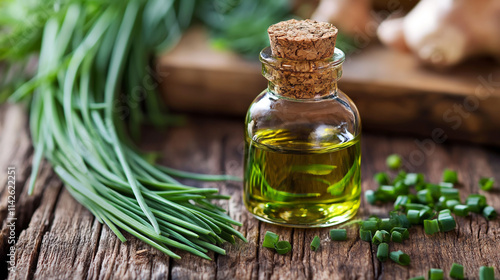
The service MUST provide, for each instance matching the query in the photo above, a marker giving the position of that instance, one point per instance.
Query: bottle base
(342, 213)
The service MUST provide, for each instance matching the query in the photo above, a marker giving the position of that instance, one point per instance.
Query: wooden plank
(16, 151)
(67, 247)
(241, 261)
(131, 260)
(63, 240)
(392, 91)
(30, 240)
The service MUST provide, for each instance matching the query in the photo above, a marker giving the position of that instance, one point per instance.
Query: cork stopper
(302, 61)
(302, 39)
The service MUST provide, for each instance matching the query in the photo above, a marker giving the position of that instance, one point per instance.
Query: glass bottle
(302, 152)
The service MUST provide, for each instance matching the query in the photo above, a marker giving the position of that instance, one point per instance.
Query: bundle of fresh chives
(91, 51)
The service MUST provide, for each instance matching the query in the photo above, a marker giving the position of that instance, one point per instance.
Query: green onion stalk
(89, 85)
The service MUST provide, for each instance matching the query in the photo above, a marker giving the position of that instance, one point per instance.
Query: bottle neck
(308, 79)
(285, 91)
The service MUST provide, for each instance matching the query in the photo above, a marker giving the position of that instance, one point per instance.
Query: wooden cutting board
(392, 91)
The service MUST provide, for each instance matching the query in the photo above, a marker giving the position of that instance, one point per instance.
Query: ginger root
(445, 32)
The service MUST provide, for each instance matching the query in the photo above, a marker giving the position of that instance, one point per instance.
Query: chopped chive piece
(283, 247)
(446, 185)
(417, 278)
(386, 193)
(446, 223)
(413, 216)
(420, 187)
(403, 221)
(399, 229)
(386, 224)
(396, 236)
(479, 196)
(370, 225)
(486, 184)
(394, 161)
(373, 218)
(444, 212)
(338, 234)
(404, 232)
(382, 178)
(426, 214)
(396, 220)
(431, 226)
(401, 200)
(270, 240)
(434, 190)
(450, 204)
(457, 271)
(381, 236)
(489, 213)
(442, 202)
(414, 179)
(473, 205)
(476, 202)
(425, 196)
(461, 210)
(450, 176)
(383, 252)
(365, 235)
(406, 235)
(400, 188)
(440, 205)
(486, 273)
(450, 194)
(370, 197)
(400, 177)
(416, 206)
(436, 274)
(400, 258)
(315, 243)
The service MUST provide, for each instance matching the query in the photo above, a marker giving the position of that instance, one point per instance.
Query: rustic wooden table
(59, 239)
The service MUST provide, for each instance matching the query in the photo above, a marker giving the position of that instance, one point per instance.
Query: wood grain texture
(392, 90)
(62, 240)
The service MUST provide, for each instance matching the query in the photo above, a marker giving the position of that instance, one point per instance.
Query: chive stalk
(89, 54)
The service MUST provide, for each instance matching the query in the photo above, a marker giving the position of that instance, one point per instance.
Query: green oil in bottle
(295, 181)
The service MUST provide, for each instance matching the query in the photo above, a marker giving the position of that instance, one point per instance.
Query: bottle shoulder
(334, 119)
